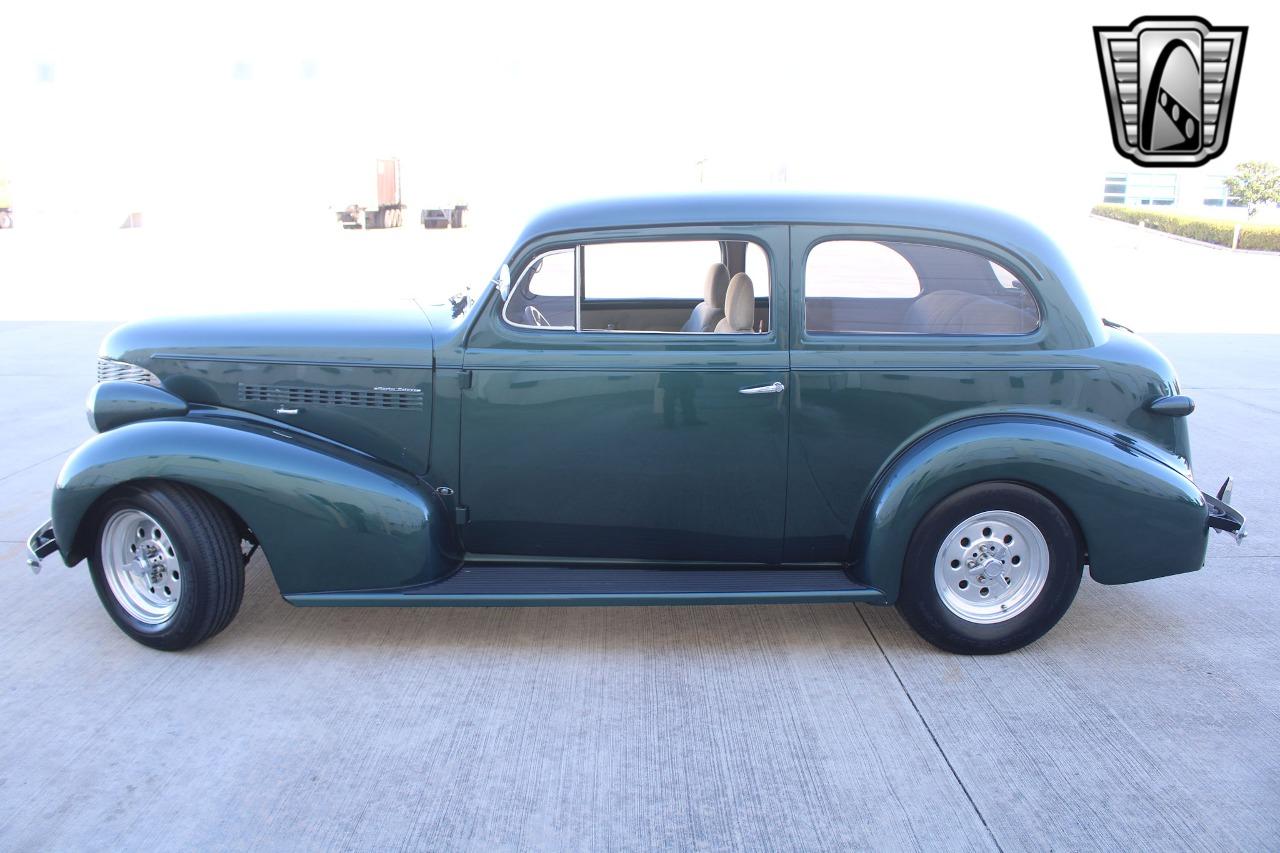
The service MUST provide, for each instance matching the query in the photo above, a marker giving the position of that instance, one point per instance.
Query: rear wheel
(167, 565)
(990, 569)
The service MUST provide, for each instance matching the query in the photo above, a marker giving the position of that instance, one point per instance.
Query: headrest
(717, 286)
(740, 304)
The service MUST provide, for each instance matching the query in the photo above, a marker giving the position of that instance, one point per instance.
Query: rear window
(884, 287)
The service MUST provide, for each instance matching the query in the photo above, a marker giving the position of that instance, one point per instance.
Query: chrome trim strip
(302, 362)
(925, 368)
(888, 368)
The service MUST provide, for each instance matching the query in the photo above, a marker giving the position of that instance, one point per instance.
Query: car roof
(793, 208)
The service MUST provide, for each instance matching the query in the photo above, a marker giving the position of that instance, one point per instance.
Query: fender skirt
(329, 519)
(1138, 517)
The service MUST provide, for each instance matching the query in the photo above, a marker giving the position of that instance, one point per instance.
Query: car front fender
(1138, 518)
(329, 518)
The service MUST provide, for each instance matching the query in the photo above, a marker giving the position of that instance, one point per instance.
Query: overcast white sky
(183, 110)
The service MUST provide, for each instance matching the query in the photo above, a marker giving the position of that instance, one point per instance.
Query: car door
(598, 439)
(895, 331)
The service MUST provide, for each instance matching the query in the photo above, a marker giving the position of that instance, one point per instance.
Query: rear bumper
(1222, 516)
(40, 544)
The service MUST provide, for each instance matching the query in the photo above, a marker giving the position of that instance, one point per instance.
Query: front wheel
(990, 569)
(167, 565)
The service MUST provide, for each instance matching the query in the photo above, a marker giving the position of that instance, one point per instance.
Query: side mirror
(504, 282)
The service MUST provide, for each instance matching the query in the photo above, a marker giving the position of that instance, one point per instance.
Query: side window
(859, 269)
(668, 286)
(883, 287)
(650, 270)
(665, 286)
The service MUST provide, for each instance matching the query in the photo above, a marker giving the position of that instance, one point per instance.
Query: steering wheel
(531, 312)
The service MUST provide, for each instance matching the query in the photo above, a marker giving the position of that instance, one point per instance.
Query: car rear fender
(1137, 517)
(329, 518)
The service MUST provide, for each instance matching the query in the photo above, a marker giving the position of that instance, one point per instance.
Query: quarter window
(859, 269)
(883, 287)
(543, 295)
(552, 274)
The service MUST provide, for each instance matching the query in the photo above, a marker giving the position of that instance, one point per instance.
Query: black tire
(922, 605)
(207, 546)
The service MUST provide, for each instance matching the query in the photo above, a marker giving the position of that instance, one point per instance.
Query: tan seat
(710, 311)
(739, 306)
(957, 312)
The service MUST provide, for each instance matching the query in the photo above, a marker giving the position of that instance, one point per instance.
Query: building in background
(1186, 190)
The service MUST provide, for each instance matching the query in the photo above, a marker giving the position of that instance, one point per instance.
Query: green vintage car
(693, 400)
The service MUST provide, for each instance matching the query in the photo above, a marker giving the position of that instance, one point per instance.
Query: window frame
(710, 234)
(1022, 269)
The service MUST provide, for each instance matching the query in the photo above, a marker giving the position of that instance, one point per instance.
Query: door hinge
(461, 515)
(464, 379)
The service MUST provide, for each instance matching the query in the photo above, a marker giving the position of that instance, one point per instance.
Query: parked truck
(443, 217)
(384, 209)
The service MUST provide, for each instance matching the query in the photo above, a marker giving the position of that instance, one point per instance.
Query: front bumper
(40, 545)
(1223, 517)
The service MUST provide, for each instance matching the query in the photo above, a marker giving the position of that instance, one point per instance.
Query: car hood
(398, 335)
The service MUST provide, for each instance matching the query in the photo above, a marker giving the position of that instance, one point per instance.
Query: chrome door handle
(775, 388)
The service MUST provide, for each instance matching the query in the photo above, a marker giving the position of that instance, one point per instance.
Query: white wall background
(233, 127)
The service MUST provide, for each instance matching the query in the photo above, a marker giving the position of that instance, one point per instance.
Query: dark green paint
(205, 360)
(328, 518)
(1137, 517)
(628, 445)
(114, 404)
(637, 447)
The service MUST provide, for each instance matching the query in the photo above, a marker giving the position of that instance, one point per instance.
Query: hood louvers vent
(293, 396)
(110, 370)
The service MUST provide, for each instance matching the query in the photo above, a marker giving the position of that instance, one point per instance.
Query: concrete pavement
(1148, 719)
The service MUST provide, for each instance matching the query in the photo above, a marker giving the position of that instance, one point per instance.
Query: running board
(488, 585)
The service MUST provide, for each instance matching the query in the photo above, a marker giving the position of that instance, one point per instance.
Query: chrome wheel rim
(991, 567)
(141, 566)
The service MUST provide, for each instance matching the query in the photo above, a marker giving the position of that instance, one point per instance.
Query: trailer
(384, 209)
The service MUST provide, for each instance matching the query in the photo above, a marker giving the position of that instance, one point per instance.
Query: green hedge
(1258, 237)
(1264, 238)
